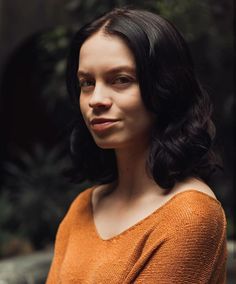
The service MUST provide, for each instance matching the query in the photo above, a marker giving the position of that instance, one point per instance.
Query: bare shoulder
(193, 184)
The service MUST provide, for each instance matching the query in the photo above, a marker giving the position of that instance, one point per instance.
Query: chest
(113, 220)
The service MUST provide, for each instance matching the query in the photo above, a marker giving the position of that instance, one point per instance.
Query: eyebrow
(111, 71)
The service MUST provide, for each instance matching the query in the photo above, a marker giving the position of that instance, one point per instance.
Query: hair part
(183, 134)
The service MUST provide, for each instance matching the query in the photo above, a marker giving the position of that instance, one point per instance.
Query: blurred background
(36, 115)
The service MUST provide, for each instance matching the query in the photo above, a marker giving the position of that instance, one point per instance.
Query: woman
(144, 137)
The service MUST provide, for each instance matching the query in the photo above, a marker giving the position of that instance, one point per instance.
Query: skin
(109, 89)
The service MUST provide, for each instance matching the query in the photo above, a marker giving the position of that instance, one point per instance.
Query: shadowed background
(36, 115)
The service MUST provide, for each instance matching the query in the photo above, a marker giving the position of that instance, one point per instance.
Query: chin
(106, 143)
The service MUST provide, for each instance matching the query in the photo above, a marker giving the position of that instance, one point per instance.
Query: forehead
(105, 50)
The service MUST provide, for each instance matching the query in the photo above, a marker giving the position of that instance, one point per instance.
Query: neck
(133, 179)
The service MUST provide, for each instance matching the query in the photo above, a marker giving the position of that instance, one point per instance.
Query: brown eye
(86, 85)
(122, 80)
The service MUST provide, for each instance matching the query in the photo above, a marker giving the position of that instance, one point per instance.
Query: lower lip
(99, 127)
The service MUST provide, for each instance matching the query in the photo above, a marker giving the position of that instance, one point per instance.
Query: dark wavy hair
(183, 135)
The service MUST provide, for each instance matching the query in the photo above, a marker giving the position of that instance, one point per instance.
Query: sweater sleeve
(193, 251)
(59, 251)
(61, 241)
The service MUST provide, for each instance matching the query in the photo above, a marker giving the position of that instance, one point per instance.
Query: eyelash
(83, 82)
(124, 79)
(86, 84)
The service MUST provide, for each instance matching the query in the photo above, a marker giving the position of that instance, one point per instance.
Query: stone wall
(30, 269)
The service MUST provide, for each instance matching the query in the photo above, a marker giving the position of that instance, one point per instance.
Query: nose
(100, 98)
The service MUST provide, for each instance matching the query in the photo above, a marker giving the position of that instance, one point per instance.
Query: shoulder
(196, 202)
(195, 196)
(77, 207)
(79, 204)
(192, 223)
(191, 219)
(193, 212)
(194, 184)
(80, 201)
(82, 197)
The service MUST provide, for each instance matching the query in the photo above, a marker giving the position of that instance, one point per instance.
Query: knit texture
(183, 241)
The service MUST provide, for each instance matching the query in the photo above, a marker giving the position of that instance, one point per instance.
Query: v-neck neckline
(142, 221)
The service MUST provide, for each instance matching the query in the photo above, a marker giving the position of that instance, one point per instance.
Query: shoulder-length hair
(183, 134)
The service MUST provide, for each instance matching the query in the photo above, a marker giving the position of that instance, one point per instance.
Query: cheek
(83, 108)
(137, 116)
(134, 108)
(82, 105)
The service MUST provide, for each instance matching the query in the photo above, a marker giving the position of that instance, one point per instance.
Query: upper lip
(102, 120)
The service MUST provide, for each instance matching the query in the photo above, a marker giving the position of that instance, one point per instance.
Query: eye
(86, 84)
(122, 80)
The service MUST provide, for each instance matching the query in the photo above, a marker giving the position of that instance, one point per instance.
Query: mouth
(102, 124)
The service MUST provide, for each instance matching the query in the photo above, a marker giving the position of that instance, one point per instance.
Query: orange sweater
(184, 241)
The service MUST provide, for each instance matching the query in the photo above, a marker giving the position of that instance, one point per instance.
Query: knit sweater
(183, 241)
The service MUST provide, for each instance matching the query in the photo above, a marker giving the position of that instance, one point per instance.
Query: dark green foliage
(38, 193)
(53, 46)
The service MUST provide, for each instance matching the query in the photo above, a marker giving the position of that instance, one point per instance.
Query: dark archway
(25, 119)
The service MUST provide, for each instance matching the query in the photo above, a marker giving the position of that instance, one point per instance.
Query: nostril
(100, 105)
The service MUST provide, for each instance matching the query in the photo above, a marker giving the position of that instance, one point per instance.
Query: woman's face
(110, 99)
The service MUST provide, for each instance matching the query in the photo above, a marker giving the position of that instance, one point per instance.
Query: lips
(101, 124)
(101, 120)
